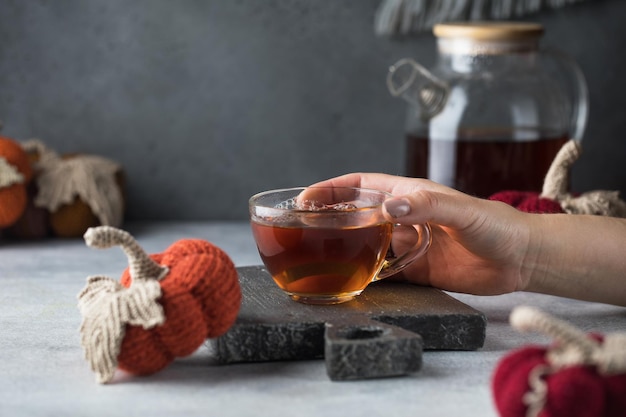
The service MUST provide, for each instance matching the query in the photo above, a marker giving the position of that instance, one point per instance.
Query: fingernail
(397, 207)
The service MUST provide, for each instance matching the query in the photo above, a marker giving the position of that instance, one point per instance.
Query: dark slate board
(272, 327)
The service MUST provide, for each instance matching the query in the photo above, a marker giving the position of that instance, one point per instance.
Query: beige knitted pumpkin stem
(574, 346)
(141, 266)
(557, 178)
(37, 146)
(530, 319)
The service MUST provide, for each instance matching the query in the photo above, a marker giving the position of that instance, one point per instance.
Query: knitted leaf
(90, 177)
(9, 175)
(107, 307)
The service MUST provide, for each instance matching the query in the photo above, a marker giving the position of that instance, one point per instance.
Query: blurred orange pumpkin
(15, 173)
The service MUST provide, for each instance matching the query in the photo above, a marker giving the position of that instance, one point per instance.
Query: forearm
(581, 257)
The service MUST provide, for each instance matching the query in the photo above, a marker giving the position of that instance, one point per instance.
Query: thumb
(451, 210)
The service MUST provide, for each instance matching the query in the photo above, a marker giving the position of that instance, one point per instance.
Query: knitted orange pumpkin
(15, 173)
(34, 222)
(74, 217)
(78, 190)
(166, 305)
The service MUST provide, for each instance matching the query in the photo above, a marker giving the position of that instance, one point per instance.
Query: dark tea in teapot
(482, 162)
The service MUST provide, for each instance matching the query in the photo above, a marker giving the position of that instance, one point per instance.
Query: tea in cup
(324, 245)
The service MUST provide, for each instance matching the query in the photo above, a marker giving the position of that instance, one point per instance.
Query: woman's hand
(478, 246)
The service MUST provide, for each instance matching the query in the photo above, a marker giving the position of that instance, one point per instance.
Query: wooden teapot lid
(489, 31)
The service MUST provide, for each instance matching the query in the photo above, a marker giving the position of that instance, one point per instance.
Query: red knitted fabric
(200, 298)
(575, 391)
(527, 201)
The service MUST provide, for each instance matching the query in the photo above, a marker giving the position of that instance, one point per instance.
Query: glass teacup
(324, 245)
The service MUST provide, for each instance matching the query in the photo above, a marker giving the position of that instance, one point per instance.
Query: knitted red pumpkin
(166, 306)
(15, 173)
(579, 376)
(528, 201)
(554, 196)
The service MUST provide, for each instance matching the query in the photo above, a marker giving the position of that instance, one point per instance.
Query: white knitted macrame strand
(403, 17)
(90, 177)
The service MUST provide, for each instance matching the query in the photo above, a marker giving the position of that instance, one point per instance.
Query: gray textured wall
(207, 102)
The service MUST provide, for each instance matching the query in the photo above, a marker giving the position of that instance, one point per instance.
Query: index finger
(348, 180)
(395, 185)
(382, 182)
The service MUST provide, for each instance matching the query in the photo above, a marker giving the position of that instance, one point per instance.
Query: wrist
(577, 256)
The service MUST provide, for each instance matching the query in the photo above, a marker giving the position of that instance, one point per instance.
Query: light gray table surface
(43, 373)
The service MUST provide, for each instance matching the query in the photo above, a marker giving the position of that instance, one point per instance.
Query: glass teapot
(493, 112)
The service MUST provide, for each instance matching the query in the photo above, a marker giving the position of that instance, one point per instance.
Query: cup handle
(393, 266)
